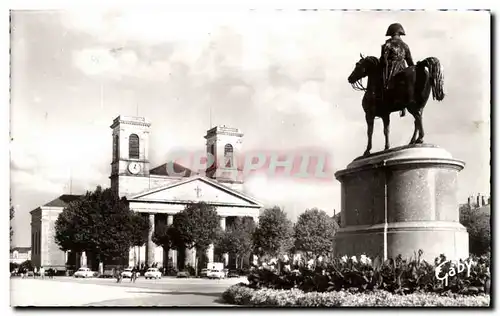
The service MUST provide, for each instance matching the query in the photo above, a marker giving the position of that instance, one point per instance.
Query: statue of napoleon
(396, 84)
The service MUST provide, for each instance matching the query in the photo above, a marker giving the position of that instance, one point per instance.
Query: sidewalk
(36, 292)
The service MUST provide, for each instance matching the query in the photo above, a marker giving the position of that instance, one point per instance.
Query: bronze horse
(409, 89)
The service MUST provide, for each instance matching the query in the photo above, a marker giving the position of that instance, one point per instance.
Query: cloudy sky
(281, 77)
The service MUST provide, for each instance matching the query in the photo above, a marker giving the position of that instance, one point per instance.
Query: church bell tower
(224, 145)
(130, 159)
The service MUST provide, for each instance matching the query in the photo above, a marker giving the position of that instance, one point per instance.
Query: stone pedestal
(399, 201)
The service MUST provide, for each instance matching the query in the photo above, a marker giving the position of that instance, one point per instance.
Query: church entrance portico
(161, 204)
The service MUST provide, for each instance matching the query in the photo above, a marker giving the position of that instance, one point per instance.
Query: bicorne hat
(395, 29)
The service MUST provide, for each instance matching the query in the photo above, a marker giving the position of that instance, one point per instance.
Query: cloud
(21, 157)
(36, 182)
(47, 164)
(279, 76)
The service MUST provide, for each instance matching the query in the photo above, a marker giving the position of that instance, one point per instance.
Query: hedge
(241, 294)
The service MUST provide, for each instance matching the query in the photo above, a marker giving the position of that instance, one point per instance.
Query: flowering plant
(361, 274)
(240, 294)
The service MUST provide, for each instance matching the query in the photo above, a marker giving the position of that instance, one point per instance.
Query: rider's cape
(394, 57)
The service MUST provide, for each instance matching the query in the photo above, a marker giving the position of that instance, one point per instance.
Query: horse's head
(362, 69)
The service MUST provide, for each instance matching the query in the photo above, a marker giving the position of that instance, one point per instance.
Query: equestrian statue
(396, 84)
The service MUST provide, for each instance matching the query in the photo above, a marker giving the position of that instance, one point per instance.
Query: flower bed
(398, 276)
(240, 294)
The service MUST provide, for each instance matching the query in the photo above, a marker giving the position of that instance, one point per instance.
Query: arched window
(116, 145)
(133, 146)
(228, 155)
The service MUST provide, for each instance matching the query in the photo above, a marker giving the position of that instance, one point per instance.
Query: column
(256, 220)
(150, 246)
(223, 222)
(223, 227)
(83, 259)
(172, 254)
(132, 257)
(210, 253)
(190, 257)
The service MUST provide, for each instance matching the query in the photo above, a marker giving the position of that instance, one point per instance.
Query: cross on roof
(198, 190)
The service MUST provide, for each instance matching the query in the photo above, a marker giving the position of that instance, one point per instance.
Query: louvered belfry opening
(228, 155)
(133, 146)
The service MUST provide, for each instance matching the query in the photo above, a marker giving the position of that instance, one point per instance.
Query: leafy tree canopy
(478, 224)
(197, 226)
(274, 236)
(100, 223)
(314, 232)
(237, 239)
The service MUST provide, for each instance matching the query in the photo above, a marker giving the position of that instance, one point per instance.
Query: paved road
(64, 291)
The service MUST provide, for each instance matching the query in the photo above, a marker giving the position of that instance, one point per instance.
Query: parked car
(203, 273)
(127, 273)
(183, 274)
(84, 273)
(107, 274)
(152, 273)
(233, 274)
(216, 274)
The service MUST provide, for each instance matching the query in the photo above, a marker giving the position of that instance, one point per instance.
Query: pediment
(196, 189)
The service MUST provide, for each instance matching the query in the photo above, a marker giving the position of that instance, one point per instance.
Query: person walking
(118, 275)
(134, 275)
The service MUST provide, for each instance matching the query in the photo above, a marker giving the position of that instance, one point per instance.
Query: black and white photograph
(250, 158)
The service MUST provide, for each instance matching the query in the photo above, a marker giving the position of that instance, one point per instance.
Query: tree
(100, 224)
(26, 266)
(166, 236)
(314, 233)
(274, 235)
(140, 225)
(478, 224)
(197, 226)
(11, 217)
(237, 239)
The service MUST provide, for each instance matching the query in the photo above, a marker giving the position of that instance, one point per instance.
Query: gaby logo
(444, 270)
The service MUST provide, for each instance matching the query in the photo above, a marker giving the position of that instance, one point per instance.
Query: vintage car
(216, 274)
(183, 274)
(84, 273)
(127, 273)
(152, 273)
(203, 273)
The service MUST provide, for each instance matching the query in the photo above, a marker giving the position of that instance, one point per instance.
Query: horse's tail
(436, 76)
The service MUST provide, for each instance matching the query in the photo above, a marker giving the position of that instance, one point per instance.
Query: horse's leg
(387, 121)
(418, 120)
(369, 122)
(412, 141)
(414, 112)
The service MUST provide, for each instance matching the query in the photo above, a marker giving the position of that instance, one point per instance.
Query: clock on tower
(134, 167)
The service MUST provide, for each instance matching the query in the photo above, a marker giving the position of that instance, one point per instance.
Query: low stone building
(19, 255)
(45, 252)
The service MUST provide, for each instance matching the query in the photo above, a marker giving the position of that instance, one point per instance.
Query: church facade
(160, 192)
